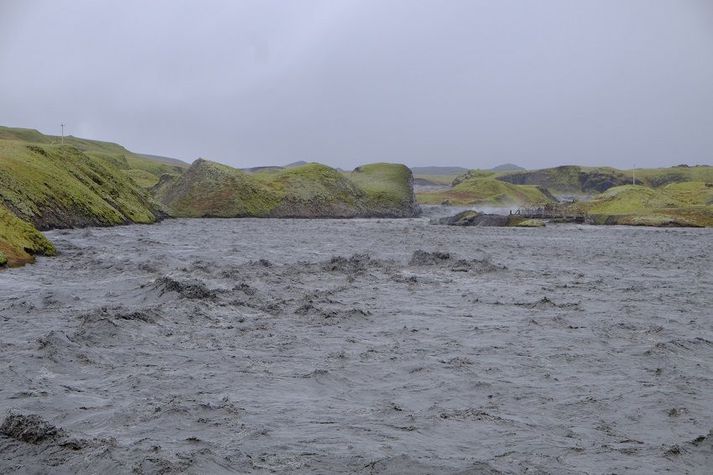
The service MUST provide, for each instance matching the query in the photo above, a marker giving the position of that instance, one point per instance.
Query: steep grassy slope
(483, 188)
(146, 169)
(209, 189)
(388, 188)
(84, 182)
(680, 204)
(20, 241)
(59, 186)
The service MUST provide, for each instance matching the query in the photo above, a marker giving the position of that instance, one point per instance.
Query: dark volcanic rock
(349, 265)
(194, 289)
(31, 428)
(423, 258)
(474, 218)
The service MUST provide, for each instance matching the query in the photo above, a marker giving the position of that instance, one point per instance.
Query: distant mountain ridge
(166, 160)
(508, 167)
(298, 163)
(438, 170)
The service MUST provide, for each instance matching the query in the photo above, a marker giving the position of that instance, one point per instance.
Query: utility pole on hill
(62, 125)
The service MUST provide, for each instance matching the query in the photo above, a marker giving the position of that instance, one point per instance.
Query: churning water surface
(326, 346)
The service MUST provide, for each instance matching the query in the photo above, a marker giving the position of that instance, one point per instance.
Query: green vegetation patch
(20, 241)
(142, 178)
(388, 188)
(680, 204)
(437, 179)
(210, 189)
(113, 153)
(693, 193)
(313, 190)
(629, 199)
(60, 186)
(658, 177)
(482, 188)
(530, 223)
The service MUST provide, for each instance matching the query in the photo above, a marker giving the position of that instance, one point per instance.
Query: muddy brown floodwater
(330, 346)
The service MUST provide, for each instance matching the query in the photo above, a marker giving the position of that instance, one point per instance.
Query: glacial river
(328, 346)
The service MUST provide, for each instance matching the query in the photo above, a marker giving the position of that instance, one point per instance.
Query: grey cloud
(471, 83)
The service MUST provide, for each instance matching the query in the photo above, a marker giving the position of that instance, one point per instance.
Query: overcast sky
(473, 83)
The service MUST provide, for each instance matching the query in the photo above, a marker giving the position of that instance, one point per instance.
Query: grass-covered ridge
(570, 179)
(145, 169)
(481, 188)
(209, 189)
(659, 177)
(60, 186)
(677, 204)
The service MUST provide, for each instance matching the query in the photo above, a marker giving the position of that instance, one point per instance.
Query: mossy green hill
(144, 169)
(658, 177)
(20, 241)
(484, 189)
(388, 188)
(676, 204)
(209, 189)
(55, 186)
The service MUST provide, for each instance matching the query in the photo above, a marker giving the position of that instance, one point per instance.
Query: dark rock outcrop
(474, 218)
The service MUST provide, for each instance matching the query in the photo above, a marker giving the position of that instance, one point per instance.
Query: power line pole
(62, 125)
(633, 175)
